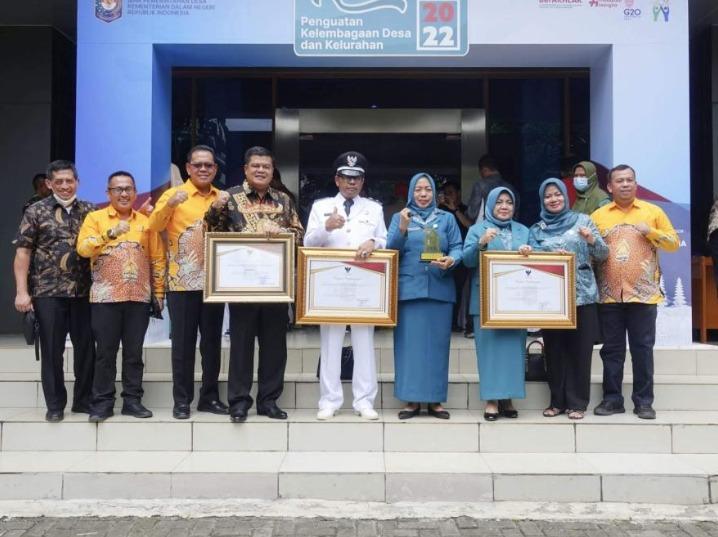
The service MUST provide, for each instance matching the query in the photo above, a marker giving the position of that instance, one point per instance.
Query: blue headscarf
(424, 214)
(556, 222)
(491, 204)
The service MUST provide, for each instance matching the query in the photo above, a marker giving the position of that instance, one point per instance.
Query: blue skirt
(421, 351)
(501, 356)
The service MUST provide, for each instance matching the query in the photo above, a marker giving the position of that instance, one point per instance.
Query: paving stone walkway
(321, 527)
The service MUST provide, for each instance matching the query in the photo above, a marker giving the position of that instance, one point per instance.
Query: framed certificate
(519, 291)
(334, 288)
(247, 267)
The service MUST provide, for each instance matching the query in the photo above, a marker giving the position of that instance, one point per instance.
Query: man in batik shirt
(180, 211)
(128, 273)
(629, 289)
(57, 288)
(255, 207)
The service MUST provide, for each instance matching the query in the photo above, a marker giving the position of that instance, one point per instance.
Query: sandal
(576, 414)
(552, 412)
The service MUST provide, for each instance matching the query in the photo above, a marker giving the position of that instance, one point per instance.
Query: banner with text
(380, 28)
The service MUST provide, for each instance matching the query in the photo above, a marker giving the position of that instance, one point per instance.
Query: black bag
(347, 364)
(535, 362)
(155, 310)
(31, 331)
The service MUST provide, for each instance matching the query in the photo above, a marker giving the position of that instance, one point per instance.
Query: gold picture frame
(248, 267)
(534, 291)
(334, 288)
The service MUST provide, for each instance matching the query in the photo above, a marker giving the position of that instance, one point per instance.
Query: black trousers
(188, 313)
(460, 277)
(267, 323)
(568, 360)
(113, 323)
(57, 317)
(639, 321)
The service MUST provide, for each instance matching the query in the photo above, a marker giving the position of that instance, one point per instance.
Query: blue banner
(380, 28)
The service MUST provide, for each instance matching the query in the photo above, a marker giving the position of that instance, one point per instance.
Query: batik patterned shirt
(631, 272)
(248, 212)
(130, 267)
(185, 235)
(50, 232)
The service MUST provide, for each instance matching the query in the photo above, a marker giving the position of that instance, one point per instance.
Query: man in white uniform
(347, 221)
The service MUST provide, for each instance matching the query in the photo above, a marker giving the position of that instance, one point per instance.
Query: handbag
(347, 364)
(535, 362)
(31, 331)
(155, 310)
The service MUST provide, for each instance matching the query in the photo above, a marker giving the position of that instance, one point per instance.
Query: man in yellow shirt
(180, 211)
(629, 289)
(128, 273)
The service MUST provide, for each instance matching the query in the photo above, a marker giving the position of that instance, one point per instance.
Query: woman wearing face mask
(589, 195)
(426, 299)
(500, 352)
(568, 352)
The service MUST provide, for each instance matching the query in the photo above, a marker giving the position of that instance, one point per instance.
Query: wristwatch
(111, 234)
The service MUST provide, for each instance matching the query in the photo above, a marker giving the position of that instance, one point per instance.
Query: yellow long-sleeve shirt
(631, 273)
(128, 268)
(185, 235)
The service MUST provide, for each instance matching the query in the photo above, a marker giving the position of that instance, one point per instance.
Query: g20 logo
(632, 13)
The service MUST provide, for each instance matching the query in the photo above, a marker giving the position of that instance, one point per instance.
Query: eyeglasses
(203, 165)
(121, 190)
(348, 179)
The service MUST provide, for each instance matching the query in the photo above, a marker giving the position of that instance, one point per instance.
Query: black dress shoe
(215, 407)
(272, 411)
(54, 416)
(180, 412)
(441, 414)
(645, 412)
(97, 416)
(135, 409)
(507, 412)
(238, 416)
(608, 408)
(406, 413)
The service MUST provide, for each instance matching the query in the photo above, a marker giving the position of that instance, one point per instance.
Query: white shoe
(326, 414)
(367, 413)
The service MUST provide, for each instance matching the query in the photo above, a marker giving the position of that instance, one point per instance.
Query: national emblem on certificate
(335, 288)
(519, 291)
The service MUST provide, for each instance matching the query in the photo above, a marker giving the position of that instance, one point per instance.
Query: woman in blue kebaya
(500, 352)
(568, 352)
(426, 298)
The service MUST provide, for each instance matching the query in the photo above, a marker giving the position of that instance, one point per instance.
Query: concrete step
(360, 476)
(301, 391)
(23, 430)
(303, 354)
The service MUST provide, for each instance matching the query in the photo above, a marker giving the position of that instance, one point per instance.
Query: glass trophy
(432, 246)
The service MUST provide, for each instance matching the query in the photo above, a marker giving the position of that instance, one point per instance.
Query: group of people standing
(615, 244)
(98, 274)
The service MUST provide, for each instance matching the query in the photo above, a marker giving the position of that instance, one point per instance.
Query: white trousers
(364, 385)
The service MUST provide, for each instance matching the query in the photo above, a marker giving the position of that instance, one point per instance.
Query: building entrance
(445, 143)
(437, 121)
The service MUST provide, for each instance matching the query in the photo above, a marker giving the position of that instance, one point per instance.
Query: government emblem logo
(108, 10)
(351, 161)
